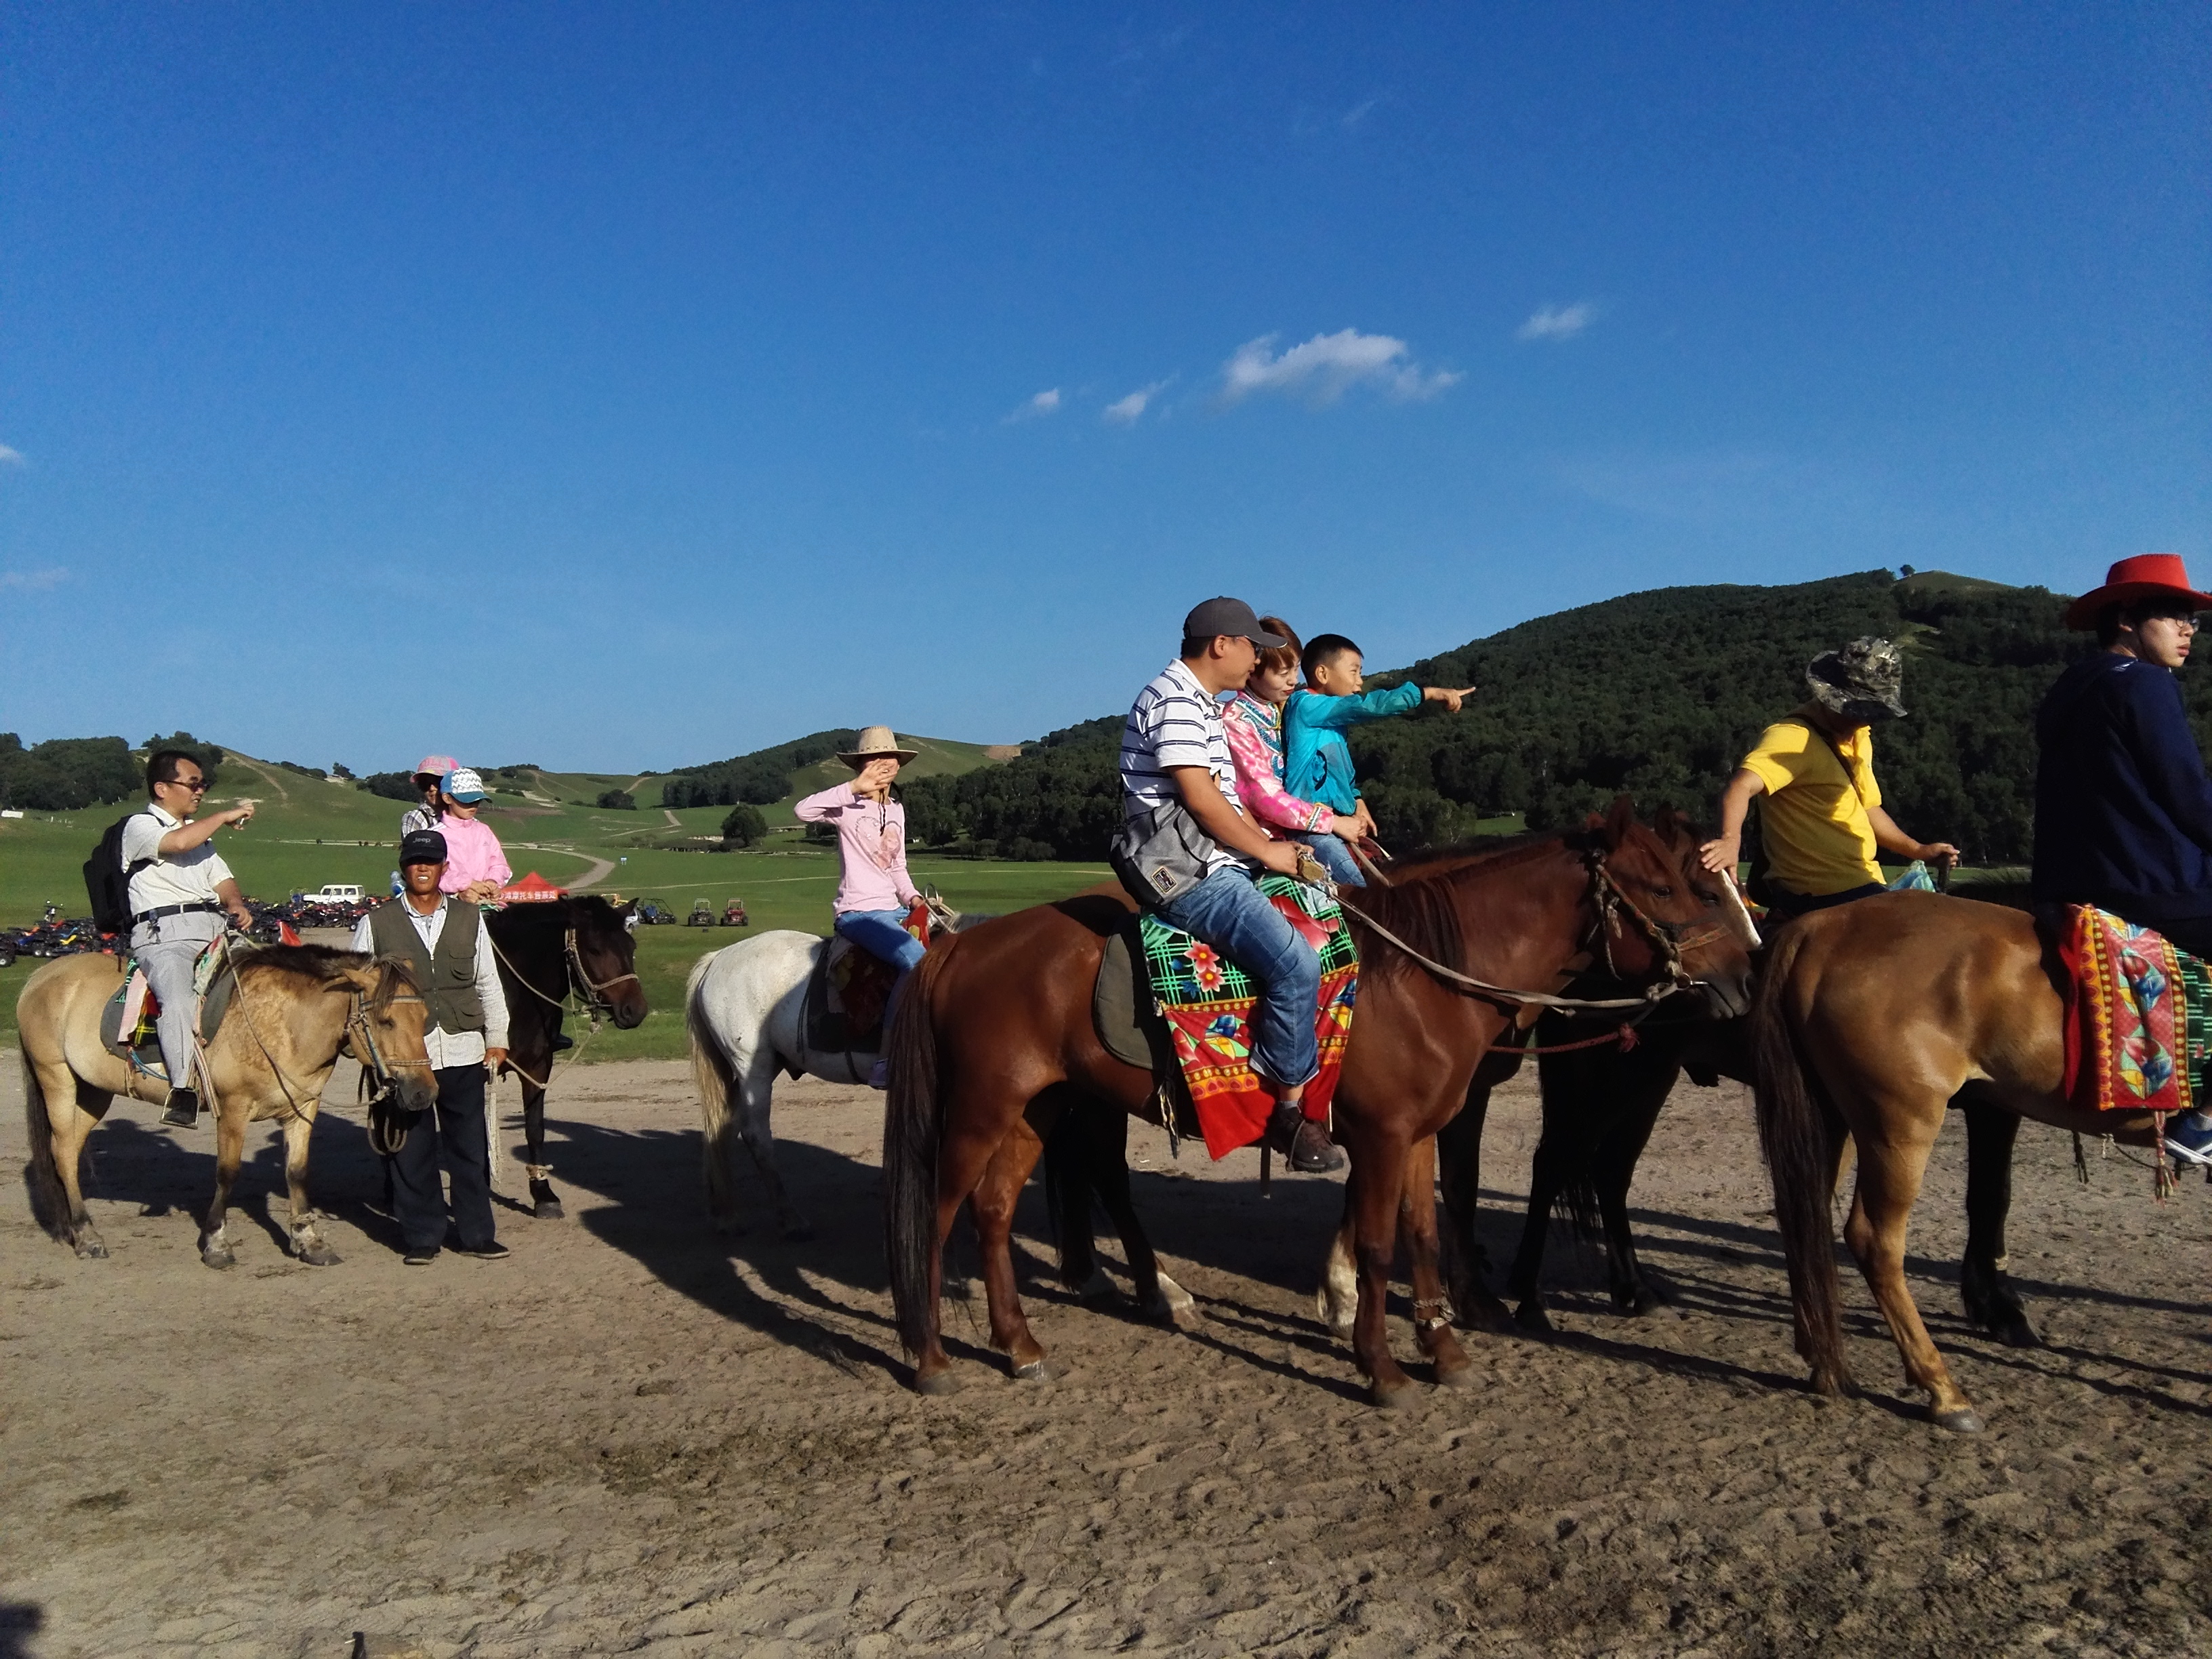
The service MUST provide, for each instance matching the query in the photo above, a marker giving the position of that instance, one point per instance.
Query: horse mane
(320, 966)
(1421, 903)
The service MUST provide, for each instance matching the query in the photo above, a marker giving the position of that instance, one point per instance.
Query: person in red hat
(2123, 804)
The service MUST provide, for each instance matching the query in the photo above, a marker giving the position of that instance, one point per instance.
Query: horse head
(1680, 912)
(384, 1027)
(606, 960)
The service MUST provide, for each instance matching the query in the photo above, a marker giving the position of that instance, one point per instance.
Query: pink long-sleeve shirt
(871, 849)
(472, 853)
(1256, 744)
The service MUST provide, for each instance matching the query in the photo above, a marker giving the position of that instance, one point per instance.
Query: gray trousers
(169, 971)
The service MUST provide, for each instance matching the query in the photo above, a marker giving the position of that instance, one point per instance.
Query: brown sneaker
(1312, 1152)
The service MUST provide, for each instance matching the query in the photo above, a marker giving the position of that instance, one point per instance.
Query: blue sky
(622, 386)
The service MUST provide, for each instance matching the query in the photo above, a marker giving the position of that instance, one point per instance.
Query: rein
(1610, 901)
(358, 1035)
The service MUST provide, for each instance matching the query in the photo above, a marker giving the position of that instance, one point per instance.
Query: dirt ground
(631, 1437)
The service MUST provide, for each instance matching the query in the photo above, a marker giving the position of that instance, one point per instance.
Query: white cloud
(1126, 411)
(32, 581)
(1557, 322)
(11, 457)
(1325, 368)
(1045, 403)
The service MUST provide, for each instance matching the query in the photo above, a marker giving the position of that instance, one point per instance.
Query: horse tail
(715, 1077)
(49, 1205)
(914, 1129)
(1799, 1134)
(1576, 1206)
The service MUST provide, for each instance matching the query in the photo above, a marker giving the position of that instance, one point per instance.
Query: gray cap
(1230, 617)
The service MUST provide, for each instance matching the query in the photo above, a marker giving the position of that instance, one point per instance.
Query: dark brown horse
(996, 1031)
(1871, 1019)
(572, 951)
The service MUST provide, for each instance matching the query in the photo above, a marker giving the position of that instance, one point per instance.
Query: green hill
(1655, 694)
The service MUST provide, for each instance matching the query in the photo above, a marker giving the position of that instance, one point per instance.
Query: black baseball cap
(422, 847)
(1230, 617)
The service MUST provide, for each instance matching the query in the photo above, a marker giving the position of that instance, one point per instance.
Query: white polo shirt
(186, 877)
(1176, 722)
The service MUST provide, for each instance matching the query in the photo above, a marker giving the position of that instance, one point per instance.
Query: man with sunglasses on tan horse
(179, 889)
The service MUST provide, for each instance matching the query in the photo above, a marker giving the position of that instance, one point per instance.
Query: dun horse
(296, 1008)
(996, 1032)
(1872, 1018)
(549, 953)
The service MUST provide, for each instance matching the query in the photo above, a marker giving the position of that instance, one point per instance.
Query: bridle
(590, 993)
(361, 1039)
(1668, 938)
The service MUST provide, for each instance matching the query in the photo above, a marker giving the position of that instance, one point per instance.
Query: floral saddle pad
(2138, 1018)
(1206, 1002)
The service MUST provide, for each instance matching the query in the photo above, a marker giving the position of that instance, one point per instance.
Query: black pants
(1783, 905)
(458, 1124)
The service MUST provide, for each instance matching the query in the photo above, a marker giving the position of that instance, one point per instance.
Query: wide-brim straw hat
(2145, 576)
(876, 743)
(1861, 682)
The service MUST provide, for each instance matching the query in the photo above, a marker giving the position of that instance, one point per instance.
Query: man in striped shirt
(1175, 749)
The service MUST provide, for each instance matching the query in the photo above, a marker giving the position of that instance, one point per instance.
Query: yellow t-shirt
(1813, 819)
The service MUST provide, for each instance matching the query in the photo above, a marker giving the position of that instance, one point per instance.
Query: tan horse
(297, 1008)
(1872, 1018)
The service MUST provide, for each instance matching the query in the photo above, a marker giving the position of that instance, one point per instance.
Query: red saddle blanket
(860, 983)
(2138, 1016)
(1207, 1002)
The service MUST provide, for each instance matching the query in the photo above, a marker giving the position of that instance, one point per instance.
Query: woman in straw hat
(874, 892)
(2122, 805)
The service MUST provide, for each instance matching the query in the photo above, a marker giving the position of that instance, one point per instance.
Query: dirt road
(630, 1437)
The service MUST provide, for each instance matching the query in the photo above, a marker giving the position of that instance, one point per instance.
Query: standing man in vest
(444, 941)
(1823, 821)
(179, 887)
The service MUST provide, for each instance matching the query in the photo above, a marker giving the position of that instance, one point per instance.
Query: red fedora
(2147, 575)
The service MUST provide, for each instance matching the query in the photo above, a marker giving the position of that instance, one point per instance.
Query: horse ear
(1594, 821)
(1620, 821)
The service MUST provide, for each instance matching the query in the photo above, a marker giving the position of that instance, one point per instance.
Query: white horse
(744, 1005)
(743, 1008)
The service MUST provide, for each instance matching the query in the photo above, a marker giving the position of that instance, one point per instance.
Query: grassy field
(309, 832)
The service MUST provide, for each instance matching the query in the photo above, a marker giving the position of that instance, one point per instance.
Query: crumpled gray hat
(1861, 682)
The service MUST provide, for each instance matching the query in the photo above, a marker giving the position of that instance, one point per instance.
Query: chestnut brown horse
(995, 1034)
(1870, 1019)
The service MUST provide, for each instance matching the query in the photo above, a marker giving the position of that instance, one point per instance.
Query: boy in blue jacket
(2122, 805)
(1316, 760)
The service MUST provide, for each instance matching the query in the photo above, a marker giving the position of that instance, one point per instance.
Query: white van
(338, 895)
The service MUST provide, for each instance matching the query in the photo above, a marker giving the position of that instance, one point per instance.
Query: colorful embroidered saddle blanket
(1207, 1002)
(2138, 1020)
(851, 988)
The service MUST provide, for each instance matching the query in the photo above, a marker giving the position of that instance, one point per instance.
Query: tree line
(64, 773)
(1656, 694)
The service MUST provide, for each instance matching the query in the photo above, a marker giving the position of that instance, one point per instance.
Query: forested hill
(1656, 693)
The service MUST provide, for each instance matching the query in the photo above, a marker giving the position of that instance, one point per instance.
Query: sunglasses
(196, 787)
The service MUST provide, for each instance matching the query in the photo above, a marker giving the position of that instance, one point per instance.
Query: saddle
(846, 996)
(127, 1024)
(1173, 1004)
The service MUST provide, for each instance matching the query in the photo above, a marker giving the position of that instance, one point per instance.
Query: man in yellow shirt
(1823, 821)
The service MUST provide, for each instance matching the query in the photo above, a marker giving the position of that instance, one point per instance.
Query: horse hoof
(1185, 1316)
(1965, 1421)
(548, 1209)
(936, 1383)
(218, 1258)
(1396, 1396)
(1459, 1376)
(318, 1255)
(1037, 1371)
(90, 1250)
(2017, 1333)
(1531, 1317)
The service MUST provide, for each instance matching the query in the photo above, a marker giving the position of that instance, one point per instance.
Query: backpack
(108, 883)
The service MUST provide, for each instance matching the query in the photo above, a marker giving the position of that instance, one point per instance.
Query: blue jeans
(883, 936)
(1228, 911)
(1334, 855)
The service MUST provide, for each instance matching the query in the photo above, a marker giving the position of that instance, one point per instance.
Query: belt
(155, 915)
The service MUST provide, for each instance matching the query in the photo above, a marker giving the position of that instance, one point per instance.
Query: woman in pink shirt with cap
(874, 892)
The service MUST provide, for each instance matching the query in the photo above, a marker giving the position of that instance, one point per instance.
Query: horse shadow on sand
(134, 1159)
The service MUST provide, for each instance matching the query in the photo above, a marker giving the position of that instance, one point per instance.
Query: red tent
(532, 889)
